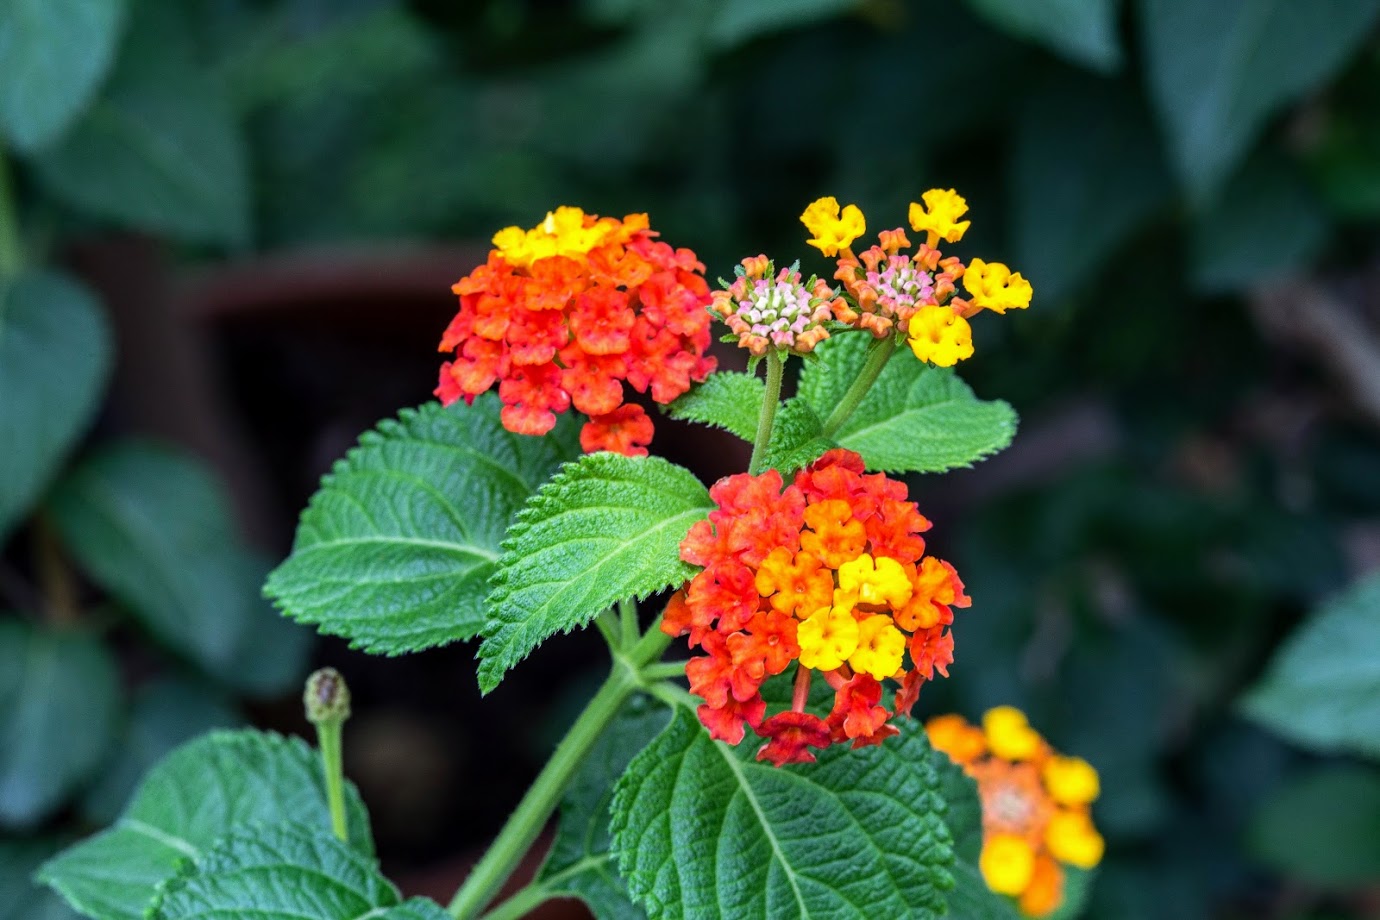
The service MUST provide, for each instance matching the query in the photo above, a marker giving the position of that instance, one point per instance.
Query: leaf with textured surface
(199, 794)
(915, 419)
(970, 897)
(396, 549)
(53, 56)
(54, 361)
(1320, 827)
(59, 694)
(1083, 31)
(797, 438)
(701, 829)
(727, 399)
(153, 527)
(23, 899)
(605, 529)
(1323, 688)
(1219, 70)
(288, 872)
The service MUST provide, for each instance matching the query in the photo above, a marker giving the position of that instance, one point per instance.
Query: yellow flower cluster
(872, 645)
(567, 231)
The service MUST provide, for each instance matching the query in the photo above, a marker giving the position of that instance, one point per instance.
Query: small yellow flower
(880, 647)
(563, 233)
(831, 229)
(879, 581)
(939, 217)
(1071, 838)
(1009, 735)
(827, 638)
(940, 336)
(995, 287)
(1071, 780)
(1007, 863)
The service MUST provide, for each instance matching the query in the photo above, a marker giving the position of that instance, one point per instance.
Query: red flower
(791, 734)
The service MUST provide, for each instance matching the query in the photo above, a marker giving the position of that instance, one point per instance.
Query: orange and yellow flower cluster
(830, 572)
(569, 311)
(890, 289)
(770, 309)
(1035, 805)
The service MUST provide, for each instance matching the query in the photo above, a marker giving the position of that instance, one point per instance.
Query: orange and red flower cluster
(566, 313)
(1036, 805)
(829, 571)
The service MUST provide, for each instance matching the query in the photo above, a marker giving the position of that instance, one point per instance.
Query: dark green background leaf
(396, 548)
(23, 899)
(1084, 31)
(1320, 828)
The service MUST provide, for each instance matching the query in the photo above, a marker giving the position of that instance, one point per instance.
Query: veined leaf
(606, 528)
(916, 418)
(396, 549)
(797, 438)
(199, 794)
(54, 361)
(726, 399)
(59, 695)
(701, 830)
(287, 873)
(1083, 31)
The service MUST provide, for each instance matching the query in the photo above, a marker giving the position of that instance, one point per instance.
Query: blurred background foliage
(227, 230)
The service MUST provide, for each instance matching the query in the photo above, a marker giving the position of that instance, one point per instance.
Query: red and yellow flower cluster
(569, 311)
(914, 292)
(1035, 805)
(830, 572)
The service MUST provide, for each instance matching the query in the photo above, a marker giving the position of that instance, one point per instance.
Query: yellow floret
(940, 336)
(876, 581)
(880, 647)
(1071, 780)
(995, 287)
(1009, 735)
(827, 638)
(1071, 838)
(940, 215)
(1007, 863)
(831, 229)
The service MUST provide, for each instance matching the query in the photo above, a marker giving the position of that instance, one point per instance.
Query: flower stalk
(327, 701)
(770, 399)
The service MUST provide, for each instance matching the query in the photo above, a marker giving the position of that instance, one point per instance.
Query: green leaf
(970, 898)
(728, 400)
(1322, 690)
(606, 528)
(199, 794)
(59, 693)
(1083, 31)
(288, 872)
(153, 528)
(579, 863)
(797, 438)
(396, 549)
(701, 829)
(161, 150)
(916, 418)
(163, 714)
(1219, 70)
(737, 22)
(1320, 828)
(1266, 225)
(24, 900)
(53, 56)
(54, 361)
(1074, 204)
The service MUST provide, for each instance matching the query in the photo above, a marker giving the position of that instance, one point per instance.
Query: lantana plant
(777, 772)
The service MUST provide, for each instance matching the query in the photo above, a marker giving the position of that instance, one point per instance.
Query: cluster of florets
(770, 309)
(1036, 805)
(829, 572)
(889, 289)
(566, 313)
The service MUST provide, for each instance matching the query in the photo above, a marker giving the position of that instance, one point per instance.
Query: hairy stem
(877, 356)
(770, 400)
(520, 904)
(627, 616)
(328, 738)
(607, 621)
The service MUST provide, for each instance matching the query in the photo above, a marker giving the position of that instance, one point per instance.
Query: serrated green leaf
(579, 863)
(153, 527)
(163, 714)
(1219, 70)
(396, 549)
(916, 418)
(605, 529)
(1320, 828)
(288, 872)
(1083, 31)
(54, 362)
(161, 149)
(728, 400)
(199, 794)
(1323, 688)
(59, 695)
(22, 899)
(796, 438)
(53, 56)
(701, 829)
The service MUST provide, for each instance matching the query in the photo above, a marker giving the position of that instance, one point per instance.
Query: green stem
(627, 615)
(663, 670)
(11, 253)
(877, 357)
(770, 400)
(520, 904)
(328, 738)
(607, 621)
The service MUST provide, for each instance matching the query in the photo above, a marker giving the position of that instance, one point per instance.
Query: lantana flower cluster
(891, 289)
(828, 573)
(568, 312)
(1036, 805)
(767, 308)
